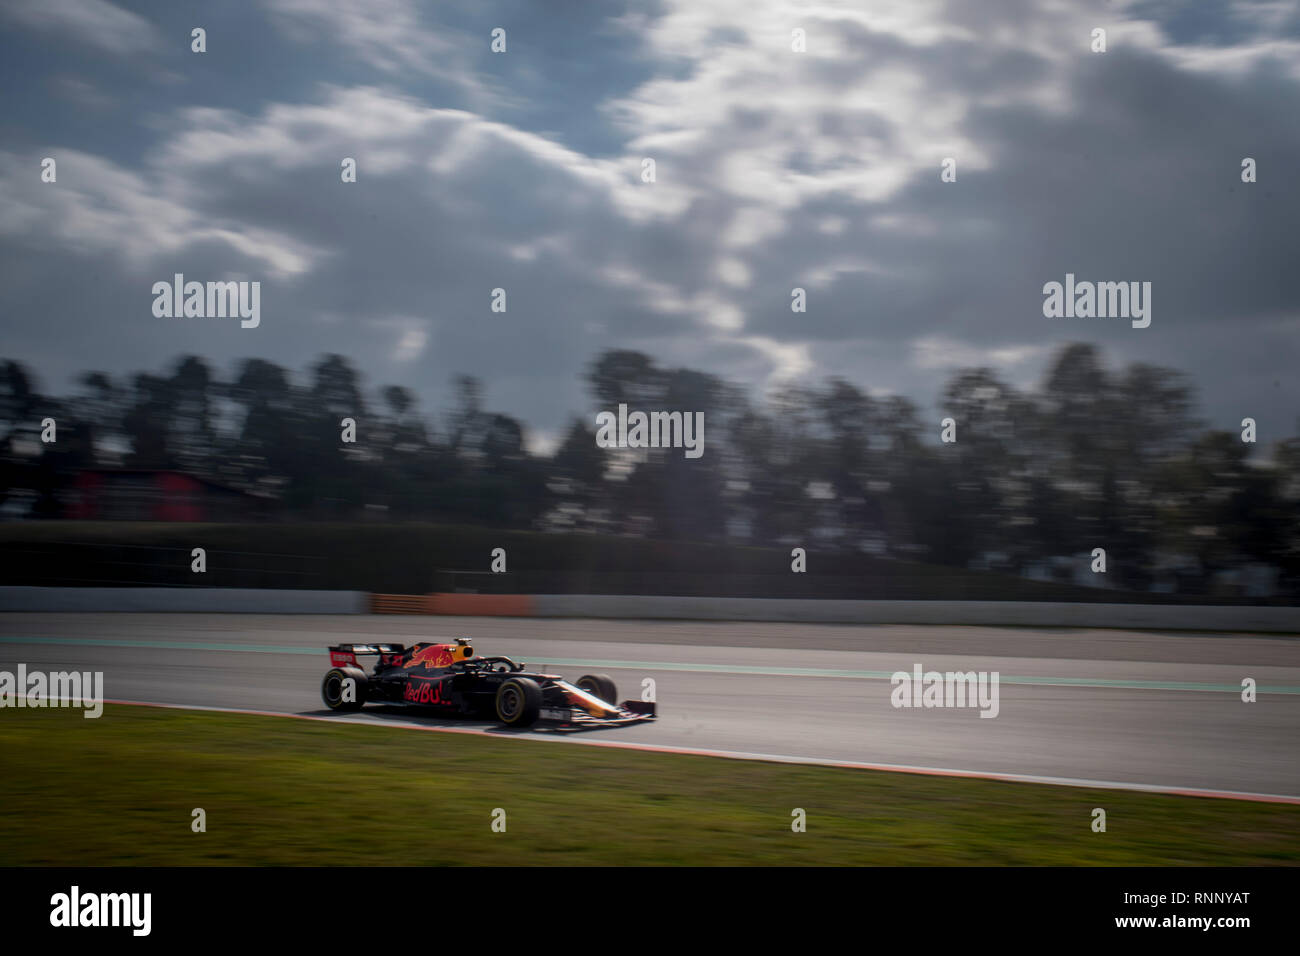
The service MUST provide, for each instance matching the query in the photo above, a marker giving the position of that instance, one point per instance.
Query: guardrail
(1276, 620)
(184, 600)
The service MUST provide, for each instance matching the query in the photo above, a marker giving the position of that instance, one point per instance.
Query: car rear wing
(343, 654)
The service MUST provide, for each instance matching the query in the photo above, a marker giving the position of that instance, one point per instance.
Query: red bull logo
(425, 693)
(438, 655)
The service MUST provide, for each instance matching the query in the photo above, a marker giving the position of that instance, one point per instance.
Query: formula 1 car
(449, 680)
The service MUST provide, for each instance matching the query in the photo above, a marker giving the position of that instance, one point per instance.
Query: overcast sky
(774, 169)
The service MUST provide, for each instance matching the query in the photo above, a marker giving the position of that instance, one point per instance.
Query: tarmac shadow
(407, 716)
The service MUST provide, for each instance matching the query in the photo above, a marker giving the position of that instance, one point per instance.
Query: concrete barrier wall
(1280, 620)
(184, 600)
(988, 613)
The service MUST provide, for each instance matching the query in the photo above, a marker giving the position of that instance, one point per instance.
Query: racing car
(448, 679)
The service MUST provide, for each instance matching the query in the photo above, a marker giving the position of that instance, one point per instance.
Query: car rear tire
(519, 702)
(599, 685)
(331, 688)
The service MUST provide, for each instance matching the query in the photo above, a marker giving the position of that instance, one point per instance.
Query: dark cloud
(774, 170)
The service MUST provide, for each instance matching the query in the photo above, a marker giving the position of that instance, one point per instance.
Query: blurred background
(1092, 456)
(796, 147)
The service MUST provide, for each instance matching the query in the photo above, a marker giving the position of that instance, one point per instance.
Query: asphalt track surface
(1141, 710)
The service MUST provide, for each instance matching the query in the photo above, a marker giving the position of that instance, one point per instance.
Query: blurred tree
(1090, 458)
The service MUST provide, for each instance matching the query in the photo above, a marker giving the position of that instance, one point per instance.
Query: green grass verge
(120, 790)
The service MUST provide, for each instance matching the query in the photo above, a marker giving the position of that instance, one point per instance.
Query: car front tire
(599, 685)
